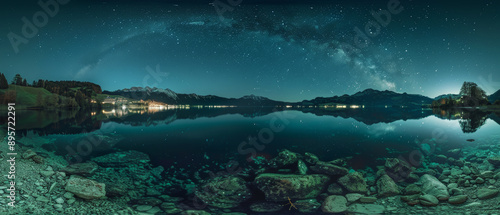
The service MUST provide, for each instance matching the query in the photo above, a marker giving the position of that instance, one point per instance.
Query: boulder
(432, 186)
(284, 158)
(280, 187)
(311, 158)
(83, 169)
(85, 188)
(195, 212)
(122, 159)
(224, 192)
(334, 204)
(353, 182)
(387, 187)
(368, 199)
(329, 169)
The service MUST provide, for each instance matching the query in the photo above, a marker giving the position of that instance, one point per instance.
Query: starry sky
(284, 50)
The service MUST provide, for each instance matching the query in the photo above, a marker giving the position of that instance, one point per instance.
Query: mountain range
(368, 97)
(170, 97)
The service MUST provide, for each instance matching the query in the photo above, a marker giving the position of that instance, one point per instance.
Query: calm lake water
(190, 139)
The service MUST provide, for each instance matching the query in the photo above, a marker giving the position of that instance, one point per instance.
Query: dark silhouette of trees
(472, 95)
(18, 80)
(472, 120)
(3, 82)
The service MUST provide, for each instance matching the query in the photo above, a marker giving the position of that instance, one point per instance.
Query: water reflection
(72, 122)
(470, 120)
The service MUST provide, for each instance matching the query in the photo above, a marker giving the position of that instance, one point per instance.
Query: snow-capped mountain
(170, 97)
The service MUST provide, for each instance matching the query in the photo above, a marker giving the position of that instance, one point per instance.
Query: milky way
(286, 52)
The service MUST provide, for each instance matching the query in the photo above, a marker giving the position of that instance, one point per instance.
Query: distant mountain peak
(254, 97)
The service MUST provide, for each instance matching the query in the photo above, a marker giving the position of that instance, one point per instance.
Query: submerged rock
(432, 186)
(428, 200)
(459, 199)
(84, 169)
(494, 160)
(301, 166)
(335, 189)
(85, 188)
(387, 187)
(284, 158)
(278, 187)
(265, 207)
(122, 159)
(224, 192)
(486, 193)
(354, 183)
(311, 158)
(366, 209)
(329, 169)
(334, 204)
(195, 212)
(307, 205)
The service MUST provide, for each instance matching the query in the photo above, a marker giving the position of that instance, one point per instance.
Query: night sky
(287, 52)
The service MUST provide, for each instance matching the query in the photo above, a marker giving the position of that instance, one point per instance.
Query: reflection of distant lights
(354, 106)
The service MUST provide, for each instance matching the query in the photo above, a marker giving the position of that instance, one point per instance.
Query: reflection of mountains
(55, 122)
(169, 116)
(371, 116)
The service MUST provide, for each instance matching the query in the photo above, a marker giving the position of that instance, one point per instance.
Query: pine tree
(25, 83)
(18, 80)
(3, 82)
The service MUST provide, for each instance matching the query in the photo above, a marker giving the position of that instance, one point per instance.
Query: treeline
(65, 94)
(471, 95)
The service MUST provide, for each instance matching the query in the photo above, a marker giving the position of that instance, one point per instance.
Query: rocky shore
(456, 181)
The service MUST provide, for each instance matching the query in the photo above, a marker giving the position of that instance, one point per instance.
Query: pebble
(60, 200)
(144, 207)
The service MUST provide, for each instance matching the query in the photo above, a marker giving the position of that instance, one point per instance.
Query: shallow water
(190, 139)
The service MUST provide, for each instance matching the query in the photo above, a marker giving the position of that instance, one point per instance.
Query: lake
(190, 139)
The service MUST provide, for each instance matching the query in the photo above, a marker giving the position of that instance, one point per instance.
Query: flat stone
(122, 159)
(84, 169)
(265, 207)
(428, 200)
(494, 160)
(459, 199)
(60, 200)
(486, 193)
(143, 207)
(368, 199)
(334, 204)
(42, 199)
(329, 169)
(47, 173)
(352, 197)
(85, 188)
(366, 209)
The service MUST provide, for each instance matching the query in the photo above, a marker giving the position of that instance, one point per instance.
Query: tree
(497, 102)
(25, 83)
(18, 80)
(3, 82)
(473, 95)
